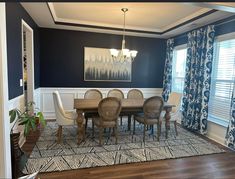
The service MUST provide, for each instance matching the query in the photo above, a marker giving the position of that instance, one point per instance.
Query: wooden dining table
(128, 106)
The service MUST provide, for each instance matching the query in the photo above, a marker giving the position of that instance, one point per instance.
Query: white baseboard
(68, 95)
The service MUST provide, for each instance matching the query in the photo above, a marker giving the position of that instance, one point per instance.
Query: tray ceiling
(144, 19)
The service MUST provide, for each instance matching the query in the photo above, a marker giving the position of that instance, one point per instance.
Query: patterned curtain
(198, 79)
(230, 136)
(167, 78)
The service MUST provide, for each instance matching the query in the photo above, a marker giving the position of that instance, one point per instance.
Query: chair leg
(86, 124)
(100, 136)
(134, 127)
(144, 132)
(160, 126)
(158, 130)
(175, 128)
(129, 122)
(115, 132)
(58, 130)
(59, 134)
(93, 129)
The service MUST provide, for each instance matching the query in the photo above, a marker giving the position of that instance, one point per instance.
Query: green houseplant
(32, 119)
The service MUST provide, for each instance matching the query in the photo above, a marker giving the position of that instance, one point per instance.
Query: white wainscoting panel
(37, 97)
(19, 103)
(69, 94)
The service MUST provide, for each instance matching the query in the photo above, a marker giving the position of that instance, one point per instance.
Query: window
(222, 81)
(178, 68)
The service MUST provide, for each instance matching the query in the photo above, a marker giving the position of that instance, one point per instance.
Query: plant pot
(19, 158)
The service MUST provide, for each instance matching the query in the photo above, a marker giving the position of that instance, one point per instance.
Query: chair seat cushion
(140, 118)
(72, 115)
(104, 124)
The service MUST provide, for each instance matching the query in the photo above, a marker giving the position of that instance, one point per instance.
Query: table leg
(167, 117)
(81, 126)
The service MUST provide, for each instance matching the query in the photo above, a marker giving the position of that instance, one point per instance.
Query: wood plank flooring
(207, 166)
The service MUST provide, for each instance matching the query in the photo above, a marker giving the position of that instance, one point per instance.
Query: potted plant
(32, 119)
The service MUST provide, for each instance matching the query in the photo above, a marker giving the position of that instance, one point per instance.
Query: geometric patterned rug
(48, 156)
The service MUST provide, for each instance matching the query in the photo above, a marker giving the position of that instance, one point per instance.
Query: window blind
(222, 81)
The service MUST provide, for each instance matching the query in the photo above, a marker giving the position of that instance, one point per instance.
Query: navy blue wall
(223, 26)
(14, 13)
(62, 55)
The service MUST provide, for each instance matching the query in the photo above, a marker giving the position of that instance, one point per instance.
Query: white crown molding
(196, 14)
(92, 23)
(49, 17)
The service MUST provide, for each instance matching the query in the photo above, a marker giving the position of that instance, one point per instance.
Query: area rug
(48, 156)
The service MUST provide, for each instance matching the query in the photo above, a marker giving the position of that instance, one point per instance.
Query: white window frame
(212, 118)
(179, 47)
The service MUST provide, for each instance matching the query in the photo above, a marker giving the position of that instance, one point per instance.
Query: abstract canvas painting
(100, 66)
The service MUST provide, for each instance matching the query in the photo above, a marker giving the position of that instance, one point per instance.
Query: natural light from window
(222, 81)
(178, 69)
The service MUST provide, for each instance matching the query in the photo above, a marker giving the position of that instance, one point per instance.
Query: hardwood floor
(207, 166)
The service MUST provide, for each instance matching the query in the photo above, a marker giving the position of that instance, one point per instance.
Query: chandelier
(124, 54)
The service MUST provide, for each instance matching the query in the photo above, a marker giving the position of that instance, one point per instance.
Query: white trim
(30, 58)
(201, 11)
(189, 17)
(5, 149)
(179, 47)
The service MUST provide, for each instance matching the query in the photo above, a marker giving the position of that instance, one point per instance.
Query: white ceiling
(152, 18)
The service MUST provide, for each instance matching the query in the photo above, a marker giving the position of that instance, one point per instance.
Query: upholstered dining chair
(109, 109)
(91, 94)
(63, 118)
(175, 99)
(152, 109)
(117, 94)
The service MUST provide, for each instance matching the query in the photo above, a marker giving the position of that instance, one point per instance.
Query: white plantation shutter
(222, 81)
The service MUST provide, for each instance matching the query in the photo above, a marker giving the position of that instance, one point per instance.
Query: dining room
(121, 90)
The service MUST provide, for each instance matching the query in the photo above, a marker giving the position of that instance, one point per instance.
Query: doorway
(27, 62)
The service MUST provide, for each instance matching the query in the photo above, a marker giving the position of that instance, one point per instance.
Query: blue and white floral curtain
(167, 78)
(230, 136)
(198, 79)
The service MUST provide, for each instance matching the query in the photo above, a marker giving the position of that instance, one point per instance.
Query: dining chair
(152, 109)
(175, 99)
(63, 118)
(133, 94)
(118, 94)
(109, 109)
(115, 93)
(91, 94)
